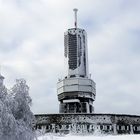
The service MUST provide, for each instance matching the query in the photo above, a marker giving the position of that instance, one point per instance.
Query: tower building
(76, 92)
(1, 79)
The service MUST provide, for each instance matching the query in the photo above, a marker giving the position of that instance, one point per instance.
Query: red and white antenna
(75, 13)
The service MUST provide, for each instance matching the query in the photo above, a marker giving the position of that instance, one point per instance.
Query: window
(101, 127)
(72, 76)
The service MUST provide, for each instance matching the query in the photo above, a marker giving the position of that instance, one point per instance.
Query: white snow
(108, 137)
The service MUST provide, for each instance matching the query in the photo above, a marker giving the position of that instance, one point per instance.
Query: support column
(131, 129)
(115, 129)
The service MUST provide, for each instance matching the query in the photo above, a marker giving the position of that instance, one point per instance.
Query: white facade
(76, 60)
(77, 85)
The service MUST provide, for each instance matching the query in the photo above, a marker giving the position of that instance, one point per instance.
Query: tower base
(76, 95)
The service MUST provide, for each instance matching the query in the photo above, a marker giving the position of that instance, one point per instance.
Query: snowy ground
(68, 137)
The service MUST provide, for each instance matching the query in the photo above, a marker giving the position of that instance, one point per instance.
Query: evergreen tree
(21, 109)
(16, 118)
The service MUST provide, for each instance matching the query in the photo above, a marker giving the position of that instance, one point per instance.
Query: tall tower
(76, 92)
(1, 80)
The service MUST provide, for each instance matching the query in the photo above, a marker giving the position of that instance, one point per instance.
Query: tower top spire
(75, 15)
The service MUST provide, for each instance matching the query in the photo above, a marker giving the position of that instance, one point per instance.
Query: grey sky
(31, 46)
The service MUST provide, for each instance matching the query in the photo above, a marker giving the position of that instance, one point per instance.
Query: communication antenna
(0, 69)
(1, 77)
(75, 14)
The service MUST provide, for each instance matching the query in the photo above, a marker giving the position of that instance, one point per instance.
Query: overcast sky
(31, 47)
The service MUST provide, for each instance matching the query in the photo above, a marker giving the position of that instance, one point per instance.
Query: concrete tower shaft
(76, 92)
(76, 60)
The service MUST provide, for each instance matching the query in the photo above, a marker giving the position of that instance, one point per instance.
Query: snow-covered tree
(15, 114)
(7, 120)
(21, 109)
(22, 99)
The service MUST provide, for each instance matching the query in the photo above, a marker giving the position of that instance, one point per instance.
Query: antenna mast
(0, 69)
(75, 13)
